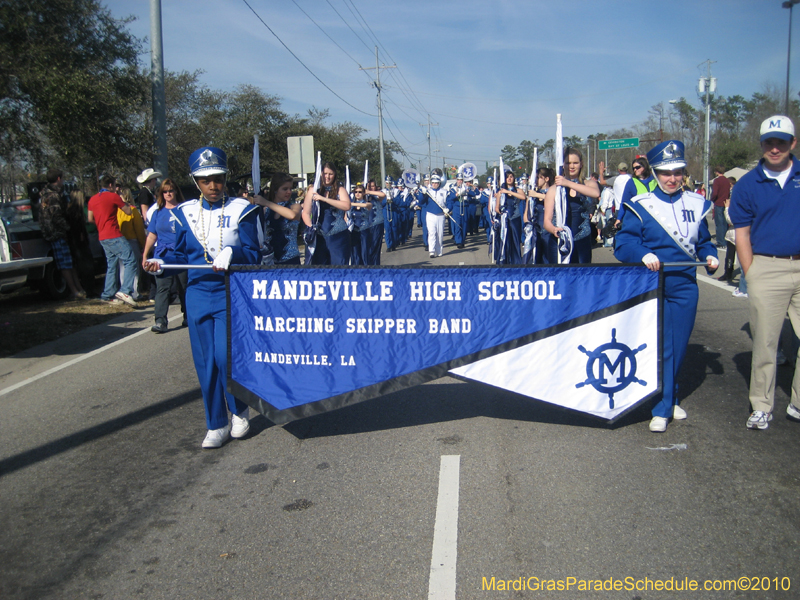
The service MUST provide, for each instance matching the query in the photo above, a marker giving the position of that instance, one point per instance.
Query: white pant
(435, 225)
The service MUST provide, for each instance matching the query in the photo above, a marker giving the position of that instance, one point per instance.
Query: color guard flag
(306, 340)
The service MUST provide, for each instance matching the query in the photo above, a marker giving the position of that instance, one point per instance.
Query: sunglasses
(165, 192)
(638, 167)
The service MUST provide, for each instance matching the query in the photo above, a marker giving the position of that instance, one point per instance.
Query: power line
(302, 63)
(391, 118)
(386, 52)
(328, 36)
(348, 25)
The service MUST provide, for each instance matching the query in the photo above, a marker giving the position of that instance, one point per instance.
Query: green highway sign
(617, 144)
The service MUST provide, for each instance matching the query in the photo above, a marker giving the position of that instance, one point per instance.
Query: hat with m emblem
(779, 126)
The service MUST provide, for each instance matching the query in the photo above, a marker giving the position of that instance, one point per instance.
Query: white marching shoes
(216, 437)
(240, 424)
(659, 424)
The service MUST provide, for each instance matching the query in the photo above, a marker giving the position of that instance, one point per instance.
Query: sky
(485, 74)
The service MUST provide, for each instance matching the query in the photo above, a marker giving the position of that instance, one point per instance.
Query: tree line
(76, 97)
(733, 133)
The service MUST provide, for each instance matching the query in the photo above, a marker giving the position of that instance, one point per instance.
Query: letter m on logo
(618, 366)
(775, 124)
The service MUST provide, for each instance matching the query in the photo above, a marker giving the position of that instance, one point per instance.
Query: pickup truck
(25, 257)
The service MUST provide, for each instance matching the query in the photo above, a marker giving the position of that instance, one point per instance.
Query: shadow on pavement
(66, 443)
(422, 405)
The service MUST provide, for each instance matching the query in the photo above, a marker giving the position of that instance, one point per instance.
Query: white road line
(69, 363)
(442, 583)
(714, 282)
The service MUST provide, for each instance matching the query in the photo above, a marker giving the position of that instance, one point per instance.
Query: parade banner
(304, 340)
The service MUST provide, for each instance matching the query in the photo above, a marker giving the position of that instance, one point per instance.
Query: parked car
(26, 258)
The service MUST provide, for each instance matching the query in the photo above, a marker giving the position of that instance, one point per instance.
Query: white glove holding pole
(223, 259)
(712, 263)
(651, 261)
(158, 262)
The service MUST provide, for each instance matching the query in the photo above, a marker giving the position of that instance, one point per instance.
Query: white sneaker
(678, 413)
(216, 437)
(737, 294)
(432, 254)
(240, 425)
(658, 424)
(759, 420)
(792, 412)
(127, 299)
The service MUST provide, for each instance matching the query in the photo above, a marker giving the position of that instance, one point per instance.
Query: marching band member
(669, 225)
(282, 218)
(459, 206)
(389, 215)
(435, 202)
(219, 231)
(473, 207)
(486, 217)
(333, 245)
(361, 210)
(536, 196)
(402, 203)
(510, 201)
(423, 213)
(375, 232)
(580, 198)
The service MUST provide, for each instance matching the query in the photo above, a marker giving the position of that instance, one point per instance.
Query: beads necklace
(206, 233)
(675, 216)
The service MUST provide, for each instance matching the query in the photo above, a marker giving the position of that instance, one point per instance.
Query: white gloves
(159, 262)
(649, 259)
(223, 260)
(712, 262)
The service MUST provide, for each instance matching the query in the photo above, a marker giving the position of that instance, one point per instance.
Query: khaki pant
(773, 285)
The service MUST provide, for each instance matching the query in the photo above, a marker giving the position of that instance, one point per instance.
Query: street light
(789, 4)
(707, 86)
(673, 103)
(589, 153)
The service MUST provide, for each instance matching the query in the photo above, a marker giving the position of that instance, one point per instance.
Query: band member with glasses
(641, 183)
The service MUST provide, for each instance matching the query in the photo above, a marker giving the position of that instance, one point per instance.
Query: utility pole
(707, 85)
(788, 4)
(430, 169)
(377, 86)
(159, 97)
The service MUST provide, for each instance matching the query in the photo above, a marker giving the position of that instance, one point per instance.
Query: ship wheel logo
(617, 358)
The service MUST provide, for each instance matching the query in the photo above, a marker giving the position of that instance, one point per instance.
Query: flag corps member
(435, 202)
(217, 231)
(669, 225)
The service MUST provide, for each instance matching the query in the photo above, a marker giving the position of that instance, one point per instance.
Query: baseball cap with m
(778, 126)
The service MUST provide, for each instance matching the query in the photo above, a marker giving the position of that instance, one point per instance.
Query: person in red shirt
(721, 197)
(103, 213)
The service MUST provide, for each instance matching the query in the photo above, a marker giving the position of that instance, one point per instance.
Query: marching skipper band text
(382, 291)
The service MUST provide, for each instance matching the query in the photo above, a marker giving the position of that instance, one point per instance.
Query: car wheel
(53, 285)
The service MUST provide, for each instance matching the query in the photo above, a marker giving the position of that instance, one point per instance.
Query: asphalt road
(106, 493)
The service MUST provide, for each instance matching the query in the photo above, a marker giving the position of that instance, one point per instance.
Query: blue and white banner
(303, 341)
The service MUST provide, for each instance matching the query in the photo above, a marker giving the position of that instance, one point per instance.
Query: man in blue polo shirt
(765, 210)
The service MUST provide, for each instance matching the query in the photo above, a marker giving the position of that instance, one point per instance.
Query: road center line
(77, 359)
(442, 583)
